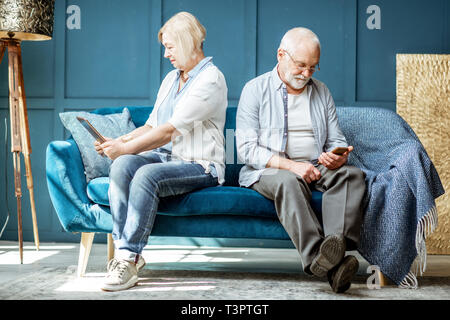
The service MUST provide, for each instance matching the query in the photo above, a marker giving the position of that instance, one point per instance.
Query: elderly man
(287, 132)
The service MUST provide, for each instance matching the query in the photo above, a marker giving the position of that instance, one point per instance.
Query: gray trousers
(343, 190)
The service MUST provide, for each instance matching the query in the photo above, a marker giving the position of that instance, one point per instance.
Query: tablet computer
(90, 128)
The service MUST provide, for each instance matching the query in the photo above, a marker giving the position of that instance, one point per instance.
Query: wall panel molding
(350, 36)
(251, 37)
(407, 26)
(155, 49)
(32, 103)
(109, 56)
(446, 31)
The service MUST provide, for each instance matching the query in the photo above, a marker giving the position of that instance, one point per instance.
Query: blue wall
(114, 59)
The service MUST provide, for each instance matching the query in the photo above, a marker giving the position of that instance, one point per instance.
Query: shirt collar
(196, 70)
(276, 80)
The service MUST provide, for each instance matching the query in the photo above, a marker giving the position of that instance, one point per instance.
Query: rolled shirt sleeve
(335, 137)
(151, 121)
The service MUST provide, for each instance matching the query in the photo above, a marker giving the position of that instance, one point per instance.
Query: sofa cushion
(111, 125)
(139, 114)
(213, 200)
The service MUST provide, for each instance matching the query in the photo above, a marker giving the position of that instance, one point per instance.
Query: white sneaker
(122, 274)
(113, 262)
(141, 263)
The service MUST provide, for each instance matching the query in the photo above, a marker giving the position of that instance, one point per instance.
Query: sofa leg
(110, 247)
(87, 238)
(383, 281)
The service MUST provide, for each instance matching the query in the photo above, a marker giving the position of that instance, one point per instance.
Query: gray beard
(294, 83)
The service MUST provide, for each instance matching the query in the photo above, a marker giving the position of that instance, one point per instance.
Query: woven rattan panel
(423, 100)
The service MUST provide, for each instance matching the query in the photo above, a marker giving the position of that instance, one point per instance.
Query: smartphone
(339, 150)
(90, 128)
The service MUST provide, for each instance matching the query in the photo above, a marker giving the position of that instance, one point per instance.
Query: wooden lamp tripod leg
(18, 192)
(2, 50)
(16, 147)
(26, 149)
(20, 135)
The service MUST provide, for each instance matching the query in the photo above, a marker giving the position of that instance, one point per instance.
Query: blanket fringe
(425, 227)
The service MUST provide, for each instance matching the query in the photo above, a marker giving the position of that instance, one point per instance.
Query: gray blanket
(402, 185)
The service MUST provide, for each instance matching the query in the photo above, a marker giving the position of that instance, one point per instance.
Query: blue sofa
(227, 211)
(386, 149)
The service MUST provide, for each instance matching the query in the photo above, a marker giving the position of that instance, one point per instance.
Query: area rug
(49, 283)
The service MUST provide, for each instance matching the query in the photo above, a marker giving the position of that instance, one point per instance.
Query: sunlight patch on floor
(147, 287)
(191, 255)
(41, 247)
(84, 284)
(29, 257)
(94, 281)
(9, 252)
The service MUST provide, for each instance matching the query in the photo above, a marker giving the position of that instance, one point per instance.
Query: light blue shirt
(262, 128)
(165, 110)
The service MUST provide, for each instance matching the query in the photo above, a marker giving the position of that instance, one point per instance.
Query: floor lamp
(22, 20)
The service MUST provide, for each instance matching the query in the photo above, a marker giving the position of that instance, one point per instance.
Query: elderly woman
(179, 149)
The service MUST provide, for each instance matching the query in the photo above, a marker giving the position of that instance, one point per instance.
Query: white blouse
(200, 118)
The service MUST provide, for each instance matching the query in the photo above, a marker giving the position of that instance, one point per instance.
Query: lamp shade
(26, 19)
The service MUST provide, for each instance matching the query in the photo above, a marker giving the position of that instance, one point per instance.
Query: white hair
(187, 33)
(296, 36)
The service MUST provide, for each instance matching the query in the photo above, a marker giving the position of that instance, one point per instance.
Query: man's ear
(280, 54)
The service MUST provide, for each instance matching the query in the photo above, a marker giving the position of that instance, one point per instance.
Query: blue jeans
(137, 182)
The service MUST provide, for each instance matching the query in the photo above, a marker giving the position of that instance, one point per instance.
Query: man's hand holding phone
(336, 158)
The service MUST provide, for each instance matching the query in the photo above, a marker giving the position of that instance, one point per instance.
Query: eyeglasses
(301, 68)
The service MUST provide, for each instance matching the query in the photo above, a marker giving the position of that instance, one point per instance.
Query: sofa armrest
(67, 186)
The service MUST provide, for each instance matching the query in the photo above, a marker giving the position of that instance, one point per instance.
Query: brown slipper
(331, 252)
(340, 277)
